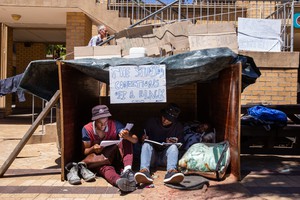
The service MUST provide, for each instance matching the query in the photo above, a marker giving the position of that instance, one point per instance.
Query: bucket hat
(100, 111)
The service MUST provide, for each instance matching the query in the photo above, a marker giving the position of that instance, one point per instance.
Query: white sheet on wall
(259, 34)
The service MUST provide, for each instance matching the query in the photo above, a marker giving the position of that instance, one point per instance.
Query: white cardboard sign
(259, 34)
(137, 84)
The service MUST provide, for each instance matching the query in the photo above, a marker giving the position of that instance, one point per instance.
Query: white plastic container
(137, 52)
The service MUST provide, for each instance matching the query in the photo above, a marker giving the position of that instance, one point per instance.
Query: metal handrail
(142, 20)
(211, 11)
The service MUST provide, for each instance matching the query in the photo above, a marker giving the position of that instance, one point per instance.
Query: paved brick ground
(35, 174)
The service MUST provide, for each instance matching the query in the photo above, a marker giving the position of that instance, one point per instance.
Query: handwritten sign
(137, 84)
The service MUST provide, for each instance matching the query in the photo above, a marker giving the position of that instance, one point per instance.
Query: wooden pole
(28, 134)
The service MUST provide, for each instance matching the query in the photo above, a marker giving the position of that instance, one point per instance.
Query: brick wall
(78, 32)
(275, 86)
(185, 97)
(25, 53)
(278, 81)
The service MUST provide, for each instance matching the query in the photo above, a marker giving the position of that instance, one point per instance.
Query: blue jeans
(152, 158)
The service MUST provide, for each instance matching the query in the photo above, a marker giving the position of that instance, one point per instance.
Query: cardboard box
(107, 51)
(83, 52)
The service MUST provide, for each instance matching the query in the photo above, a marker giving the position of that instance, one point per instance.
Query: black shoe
(173, 176)
(143, 176)
(129, 174)
(125, 185)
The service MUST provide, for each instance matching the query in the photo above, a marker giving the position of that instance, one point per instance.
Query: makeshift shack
(214, 74)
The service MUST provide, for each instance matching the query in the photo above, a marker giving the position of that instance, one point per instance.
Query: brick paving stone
(42, 197)
(5, 181)
(106, 195)
(93, 197)
(26, 195)
(5, 195)
(27, 183)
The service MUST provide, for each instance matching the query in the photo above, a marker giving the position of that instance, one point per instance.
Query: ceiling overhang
(37, 24)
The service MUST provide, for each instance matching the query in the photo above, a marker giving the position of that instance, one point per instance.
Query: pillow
(206, 159)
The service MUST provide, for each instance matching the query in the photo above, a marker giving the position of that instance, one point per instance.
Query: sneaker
(129, 174)
(85, 173)
(125, 185)
(143, 176)
(72, 175)
(173, 176)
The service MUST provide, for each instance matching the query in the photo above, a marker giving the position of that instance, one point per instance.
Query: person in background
(97, 39)
(165, 128)
(103, 128)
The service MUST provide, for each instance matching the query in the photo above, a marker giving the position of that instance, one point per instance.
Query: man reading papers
(165, 129)
(102, 128)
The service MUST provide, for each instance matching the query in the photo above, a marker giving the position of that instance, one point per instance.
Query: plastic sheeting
(41, 77)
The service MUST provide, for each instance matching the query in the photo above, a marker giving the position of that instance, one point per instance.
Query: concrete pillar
(3, 58)
(78, 32)
(6, 61)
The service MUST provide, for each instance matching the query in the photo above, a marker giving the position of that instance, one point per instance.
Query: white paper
(129, 126)
(106, 143)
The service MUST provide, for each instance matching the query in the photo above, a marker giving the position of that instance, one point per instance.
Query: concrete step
(45, 135)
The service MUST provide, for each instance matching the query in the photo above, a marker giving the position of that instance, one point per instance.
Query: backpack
(206, 159)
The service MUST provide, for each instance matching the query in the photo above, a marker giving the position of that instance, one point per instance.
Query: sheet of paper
(106, 143)
(129, 126)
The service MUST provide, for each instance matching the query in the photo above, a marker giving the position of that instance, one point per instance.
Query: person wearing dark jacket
(167, 129)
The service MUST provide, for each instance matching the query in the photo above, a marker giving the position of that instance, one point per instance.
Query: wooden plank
(219, 102)
(232, 127)
(79, 93)
(28, 134)
(276, 151)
